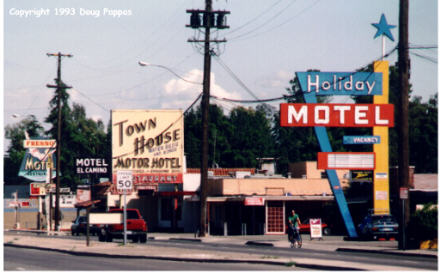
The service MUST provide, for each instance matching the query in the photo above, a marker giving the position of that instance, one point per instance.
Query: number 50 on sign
(124, 180)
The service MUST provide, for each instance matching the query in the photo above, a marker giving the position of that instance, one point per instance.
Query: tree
(250, 137)
(423, 134)
(16, 134)
(66, 160)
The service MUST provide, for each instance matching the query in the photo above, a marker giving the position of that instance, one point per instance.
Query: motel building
(240, 201)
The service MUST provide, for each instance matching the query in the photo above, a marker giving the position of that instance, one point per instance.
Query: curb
(90, 254)
(387, 252)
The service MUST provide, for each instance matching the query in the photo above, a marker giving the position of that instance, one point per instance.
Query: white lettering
(342, 109)
(377, 117)
(302, 114)
(370, 86)
(348, 85)
(326, 111)
(310, 84)
(359, 86)
(360, 114)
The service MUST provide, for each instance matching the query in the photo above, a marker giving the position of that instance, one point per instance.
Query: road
(22, 259)
(385, 259)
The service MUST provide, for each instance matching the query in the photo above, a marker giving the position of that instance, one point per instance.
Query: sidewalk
(329, 243)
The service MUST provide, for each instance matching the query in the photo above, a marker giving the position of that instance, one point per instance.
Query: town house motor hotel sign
(150, 144)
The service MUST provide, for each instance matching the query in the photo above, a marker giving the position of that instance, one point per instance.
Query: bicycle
(295, 238)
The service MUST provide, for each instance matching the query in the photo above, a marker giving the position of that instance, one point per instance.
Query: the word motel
(336, 115)
(341, 83)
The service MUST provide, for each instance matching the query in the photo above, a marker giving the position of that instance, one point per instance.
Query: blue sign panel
(341, 83)
(361, 139)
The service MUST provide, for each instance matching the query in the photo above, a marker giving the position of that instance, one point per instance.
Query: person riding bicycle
(294, 223)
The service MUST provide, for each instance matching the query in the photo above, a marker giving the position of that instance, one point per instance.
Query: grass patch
(290, 264)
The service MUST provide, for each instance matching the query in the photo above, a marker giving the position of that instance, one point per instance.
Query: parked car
(136, 227)
(79, 225)
(375, 226)
(305, 227)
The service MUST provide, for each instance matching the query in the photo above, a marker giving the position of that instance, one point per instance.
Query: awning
(177, 193)
(86, 204)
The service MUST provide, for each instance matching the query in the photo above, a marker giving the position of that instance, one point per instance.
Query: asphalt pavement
(116, 249)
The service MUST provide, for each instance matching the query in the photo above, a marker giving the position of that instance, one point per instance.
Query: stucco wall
(269, 186)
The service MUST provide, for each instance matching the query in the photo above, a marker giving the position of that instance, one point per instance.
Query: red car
(305, 227)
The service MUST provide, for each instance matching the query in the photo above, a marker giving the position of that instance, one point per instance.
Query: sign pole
(124, 183)
(125, 217)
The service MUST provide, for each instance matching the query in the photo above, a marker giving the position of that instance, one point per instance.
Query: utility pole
(403, 147)
(211, 19)
(59, 87)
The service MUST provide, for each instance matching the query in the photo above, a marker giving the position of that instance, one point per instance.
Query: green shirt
(294, 220)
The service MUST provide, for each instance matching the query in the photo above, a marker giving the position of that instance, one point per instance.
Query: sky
(267, 42)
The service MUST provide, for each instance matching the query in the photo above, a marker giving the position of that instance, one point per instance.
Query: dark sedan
(378, 226)
(80, 226)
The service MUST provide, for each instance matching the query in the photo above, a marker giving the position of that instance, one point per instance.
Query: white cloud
(181, 93)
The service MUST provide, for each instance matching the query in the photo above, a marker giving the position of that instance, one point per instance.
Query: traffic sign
(403, 193)
(124, 180)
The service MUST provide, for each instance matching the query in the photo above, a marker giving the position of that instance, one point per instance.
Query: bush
(423, 224)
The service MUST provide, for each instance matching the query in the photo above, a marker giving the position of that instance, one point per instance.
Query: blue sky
(268, 41)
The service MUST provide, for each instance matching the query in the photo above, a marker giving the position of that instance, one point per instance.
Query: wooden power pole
(403, 147)
(59, 87)
(207, 19)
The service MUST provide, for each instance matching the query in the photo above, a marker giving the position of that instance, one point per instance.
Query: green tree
(250, 137)
(423, 134)
(67, 169)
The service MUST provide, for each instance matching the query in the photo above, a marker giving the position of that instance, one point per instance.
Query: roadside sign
(315, 228)
(403, 193)
(37, 189)
(124, 180)
(254, 201)
(105, 218)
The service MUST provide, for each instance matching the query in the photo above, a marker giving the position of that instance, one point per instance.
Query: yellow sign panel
(381, 177)
(149, 143)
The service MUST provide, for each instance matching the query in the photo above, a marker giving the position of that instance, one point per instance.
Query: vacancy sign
(336, 115)
(346, 161)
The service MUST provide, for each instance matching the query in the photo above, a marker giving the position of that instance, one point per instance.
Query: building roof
(426, 181)
(222, 171)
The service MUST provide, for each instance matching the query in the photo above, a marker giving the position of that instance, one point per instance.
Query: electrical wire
(430, 59)
(171, 124)
(255, 18)
(235, 77)
(279, 25)
(286, 97)
(265, 22)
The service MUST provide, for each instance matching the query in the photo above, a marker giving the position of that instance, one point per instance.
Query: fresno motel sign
(336, 115)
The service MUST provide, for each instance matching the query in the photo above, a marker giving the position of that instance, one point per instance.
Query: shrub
(423, 224)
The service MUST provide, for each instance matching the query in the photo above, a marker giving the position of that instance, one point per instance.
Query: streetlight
(141, 63)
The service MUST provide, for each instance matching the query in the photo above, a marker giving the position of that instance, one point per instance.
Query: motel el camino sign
(149, 143)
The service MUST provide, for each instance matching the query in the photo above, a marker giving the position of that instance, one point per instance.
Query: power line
(255, 18)
(286, 97)
(281, 24)
(169, 126)
(235, 77)
(265, 22)
(430, 59)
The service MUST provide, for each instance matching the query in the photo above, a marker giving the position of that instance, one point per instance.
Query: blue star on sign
(383, 28)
